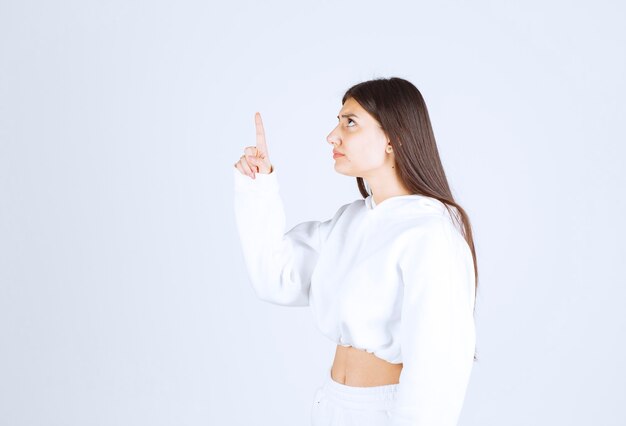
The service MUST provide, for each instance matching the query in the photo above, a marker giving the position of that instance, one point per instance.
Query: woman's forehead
(351, 108)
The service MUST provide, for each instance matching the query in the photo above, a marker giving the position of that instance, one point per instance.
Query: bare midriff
(356, 367)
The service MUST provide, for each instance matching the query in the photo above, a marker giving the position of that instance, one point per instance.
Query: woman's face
(361, 140)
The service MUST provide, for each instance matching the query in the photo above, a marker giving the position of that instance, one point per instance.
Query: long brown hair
(401, 111)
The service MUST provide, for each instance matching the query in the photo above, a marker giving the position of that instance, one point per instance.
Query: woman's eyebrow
(348, 115)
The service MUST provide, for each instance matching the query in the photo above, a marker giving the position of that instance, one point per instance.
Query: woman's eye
(349, 120)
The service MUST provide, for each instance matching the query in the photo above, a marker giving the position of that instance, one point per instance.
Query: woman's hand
(256, 158)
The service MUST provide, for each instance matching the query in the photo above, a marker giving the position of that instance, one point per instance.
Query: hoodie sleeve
(280, 264)
(437, 334)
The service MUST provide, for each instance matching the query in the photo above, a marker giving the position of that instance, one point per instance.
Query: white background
(124, 299)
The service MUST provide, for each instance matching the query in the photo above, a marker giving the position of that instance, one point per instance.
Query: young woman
(391, 278)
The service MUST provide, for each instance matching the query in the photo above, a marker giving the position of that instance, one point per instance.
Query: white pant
(336, 404)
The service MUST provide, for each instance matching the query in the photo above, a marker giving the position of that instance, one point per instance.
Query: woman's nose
(332, 139)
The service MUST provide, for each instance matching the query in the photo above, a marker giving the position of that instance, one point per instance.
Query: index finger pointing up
(260, 134)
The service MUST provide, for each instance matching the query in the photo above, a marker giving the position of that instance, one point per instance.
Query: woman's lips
(335, 155)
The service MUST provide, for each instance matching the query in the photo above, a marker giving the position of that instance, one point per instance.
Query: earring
(389, 149)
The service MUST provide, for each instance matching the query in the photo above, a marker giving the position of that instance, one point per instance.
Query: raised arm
(280, 264)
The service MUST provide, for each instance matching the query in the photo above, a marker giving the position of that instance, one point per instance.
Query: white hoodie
(394, 279)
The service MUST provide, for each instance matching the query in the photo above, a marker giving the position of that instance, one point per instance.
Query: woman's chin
(344, 172)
